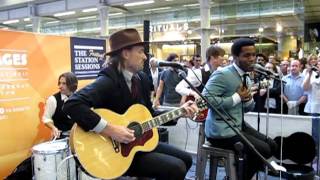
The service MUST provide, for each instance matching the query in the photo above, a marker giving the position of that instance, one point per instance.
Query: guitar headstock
(202, 105)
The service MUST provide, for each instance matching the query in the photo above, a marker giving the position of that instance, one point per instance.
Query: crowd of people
(293, 72)
(230, 84)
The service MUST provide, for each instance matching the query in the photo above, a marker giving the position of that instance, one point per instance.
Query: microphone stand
(267, 119)
(183, 75)
(259, 78)
(268, 76)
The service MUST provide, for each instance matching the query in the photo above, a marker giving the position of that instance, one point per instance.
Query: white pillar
(205, 27)
(35, 19)
(104, 20)
(280, 44)
(36, 24)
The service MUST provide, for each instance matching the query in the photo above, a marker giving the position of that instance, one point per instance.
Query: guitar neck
(163, 118)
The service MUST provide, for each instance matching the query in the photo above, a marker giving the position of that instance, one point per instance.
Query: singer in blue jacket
(230, 91)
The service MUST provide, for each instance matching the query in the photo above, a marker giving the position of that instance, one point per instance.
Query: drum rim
(65, 147)
(49, 152)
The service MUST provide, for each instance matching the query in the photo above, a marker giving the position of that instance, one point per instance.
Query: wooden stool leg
(213, 168)
(230, 167)
(200, 155)
(201, 167)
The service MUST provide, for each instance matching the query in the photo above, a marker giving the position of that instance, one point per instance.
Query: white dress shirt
(195, 78)
(313, 103)
(155, 76)
(236, 97)
(50, 108)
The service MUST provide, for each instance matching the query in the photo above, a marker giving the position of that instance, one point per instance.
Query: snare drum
(49, 161)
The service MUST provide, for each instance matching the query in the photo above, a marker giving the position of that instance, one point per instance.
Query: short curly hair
(239, 43)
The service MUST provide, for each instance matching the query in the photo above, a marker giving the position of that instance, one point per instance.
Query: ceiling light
(89, 10)
(52, 22)
(26, 19)
(169, 0)
(115, 14)
(88, 17)
(11, 21)
(64, 13)
(157, 9)
(28, 25)
(191, 5)
(279, 28)
(260, 29)
(139, 3)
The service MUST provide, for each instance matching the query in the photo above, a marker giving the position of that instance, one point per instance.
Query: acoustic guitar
(107, 159)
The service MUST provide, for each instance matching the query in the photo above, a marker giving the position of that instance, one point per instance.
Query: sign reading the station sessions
(87, 57)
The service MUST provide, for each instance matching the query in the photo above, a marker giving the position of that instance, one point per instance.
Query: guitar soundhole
(126, 148)
(137, 129)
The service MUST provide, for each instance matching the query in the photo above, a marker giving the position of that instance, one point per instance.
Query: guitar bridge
(115, 145)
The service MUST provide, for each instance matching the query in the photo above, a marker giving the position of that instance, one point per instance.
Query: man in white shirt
(198, 77)
(53, 117)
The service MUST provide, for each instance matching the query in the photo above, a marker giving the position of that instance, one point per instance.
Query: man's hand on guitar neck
(120, 134)
(191, 108)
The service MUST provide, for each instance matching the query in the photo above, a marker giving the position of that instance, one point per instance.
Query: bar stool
(215, 154)
(205, 151)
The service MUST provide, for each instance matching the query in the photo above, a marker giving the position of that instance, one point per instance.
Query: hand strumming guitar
(118, 133)
(244, 93)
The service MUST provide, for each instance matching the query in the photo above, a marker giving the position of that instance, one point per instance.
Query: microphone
(171, 64)
(260, 69)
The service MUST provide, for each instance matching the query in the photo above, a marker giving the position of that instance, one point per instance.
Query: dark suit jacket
(108, 91)
(275, 93)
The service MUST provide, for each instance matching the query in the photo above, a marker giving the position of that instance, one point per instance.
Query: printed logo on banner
(87, 57)
(14, 79)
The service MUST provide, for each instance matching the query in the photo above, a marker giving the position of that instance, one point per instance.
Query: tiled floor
(220, 174)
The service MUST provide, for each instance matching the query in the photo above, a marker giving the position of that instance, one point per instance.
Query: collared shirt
(313, 103)
(293, 88)
(155, 76)
(103, 123)
(50, 108)
(236, 97)
(127, 77)
(195, 78)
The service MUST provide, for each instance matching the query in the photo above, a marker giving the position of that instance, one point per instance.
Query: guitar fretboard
(163, 118)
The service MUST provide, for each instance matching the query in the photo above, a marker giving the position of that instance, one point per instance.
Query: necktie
(134, 87)
(244, 84)
(244, 80)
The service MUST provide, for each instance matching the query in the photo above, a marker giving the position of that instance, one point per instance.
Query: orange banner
(30, 65)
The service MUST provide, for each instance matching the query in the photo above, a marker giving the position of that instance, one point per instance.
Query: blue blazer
(219, 89)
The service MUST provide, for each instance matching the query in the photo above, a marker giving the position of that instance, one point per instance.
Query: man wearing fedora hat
(117, 87)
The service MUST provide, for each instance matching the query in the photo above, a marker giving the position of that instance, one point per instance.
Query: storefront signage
(169, 27)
